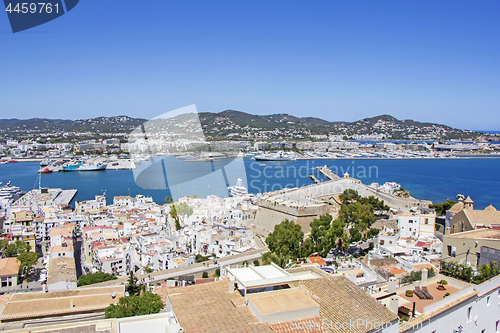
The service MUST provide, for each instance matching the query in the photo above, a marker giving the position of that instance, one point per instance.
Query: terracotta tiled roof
(457, 208)
(486, 217)
(306, 325)
(33, 305)
(208, 307)
(340, 301)
(9, 266)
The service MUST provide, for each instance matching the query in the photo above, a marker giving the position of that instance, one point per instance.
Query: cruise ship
(238, 190)
(278, 156)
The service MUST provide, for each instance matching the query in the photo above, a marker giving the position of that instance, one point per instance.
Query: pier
(65, 197)
(315, 180)
(328, 173)
(45, 197)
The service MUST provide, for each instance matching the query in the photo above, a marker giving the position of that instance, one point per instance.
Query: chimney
(447, 231)
(394, 304)
(392, 284)
(71, 303)
(424, 275)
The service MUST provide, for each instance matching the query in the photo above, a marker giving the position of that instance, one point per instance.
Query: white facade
(417, 225)
(479, 313)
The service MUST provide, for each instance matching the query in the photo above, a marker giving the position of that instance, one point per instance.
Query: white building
(414, 225)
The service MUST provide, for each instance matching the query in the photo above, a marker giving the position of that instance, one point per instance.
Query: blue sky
(433, 61)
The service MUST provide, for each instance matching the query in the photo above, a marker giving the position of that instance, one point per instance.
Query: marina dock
(315, 180)
(46, 197)
(65, 197)
(328, 173)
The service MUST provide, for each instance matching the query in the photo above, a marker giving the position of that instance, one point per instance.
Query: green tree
(349, 196)
(286, 239)
(27, 260)
(136, 305)
(16, 248)
(168, 199)
(184, 209)
(441, 208)
(173, 214)
(319, 230)
(268, 258)
(148, 269)
(98, 277)
(217, 273)
(133, 288)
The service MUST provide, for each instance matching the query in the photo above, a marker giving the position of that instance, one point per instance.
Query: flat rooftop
(255, 276)
(492, 234)
(281, 300)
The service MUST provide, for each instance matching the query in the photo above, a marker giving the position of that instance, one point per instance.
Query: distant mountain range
(239, 125)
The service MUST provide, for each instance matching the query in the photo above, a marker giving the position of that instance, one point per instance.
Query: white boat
(45, 162)
(278, 156)
(238, 190)
(10, 192)
(96, 166)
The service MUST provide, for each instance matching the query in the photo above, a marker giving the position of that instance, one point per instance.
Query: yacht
(238, 190)
(10, 192)
(45, 162)
(278, 156)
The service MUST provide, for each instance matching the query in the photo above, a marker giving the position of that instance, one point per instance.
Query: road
(194, 269)
(78, 257)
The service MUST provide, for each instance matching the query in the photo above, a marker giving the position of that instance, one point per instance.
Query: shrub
(409, 293)
(85, 280)
(204, 275)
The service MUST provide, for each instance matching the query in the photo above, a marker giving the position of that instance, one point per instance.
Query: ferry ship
(238, 190)
(96, 166)
(278, 156)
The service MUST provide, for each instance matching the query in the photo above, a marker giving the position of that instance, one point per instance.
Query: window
(426, 221)
(469, 313)
(497, 325)
(488, 300)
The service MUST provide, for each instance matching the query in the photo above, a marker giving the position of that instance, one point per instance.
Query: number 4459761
(33, 8)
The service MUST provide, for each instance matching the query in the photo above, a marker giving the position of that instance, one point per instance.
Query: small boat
(44, 170)
(278, 156)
